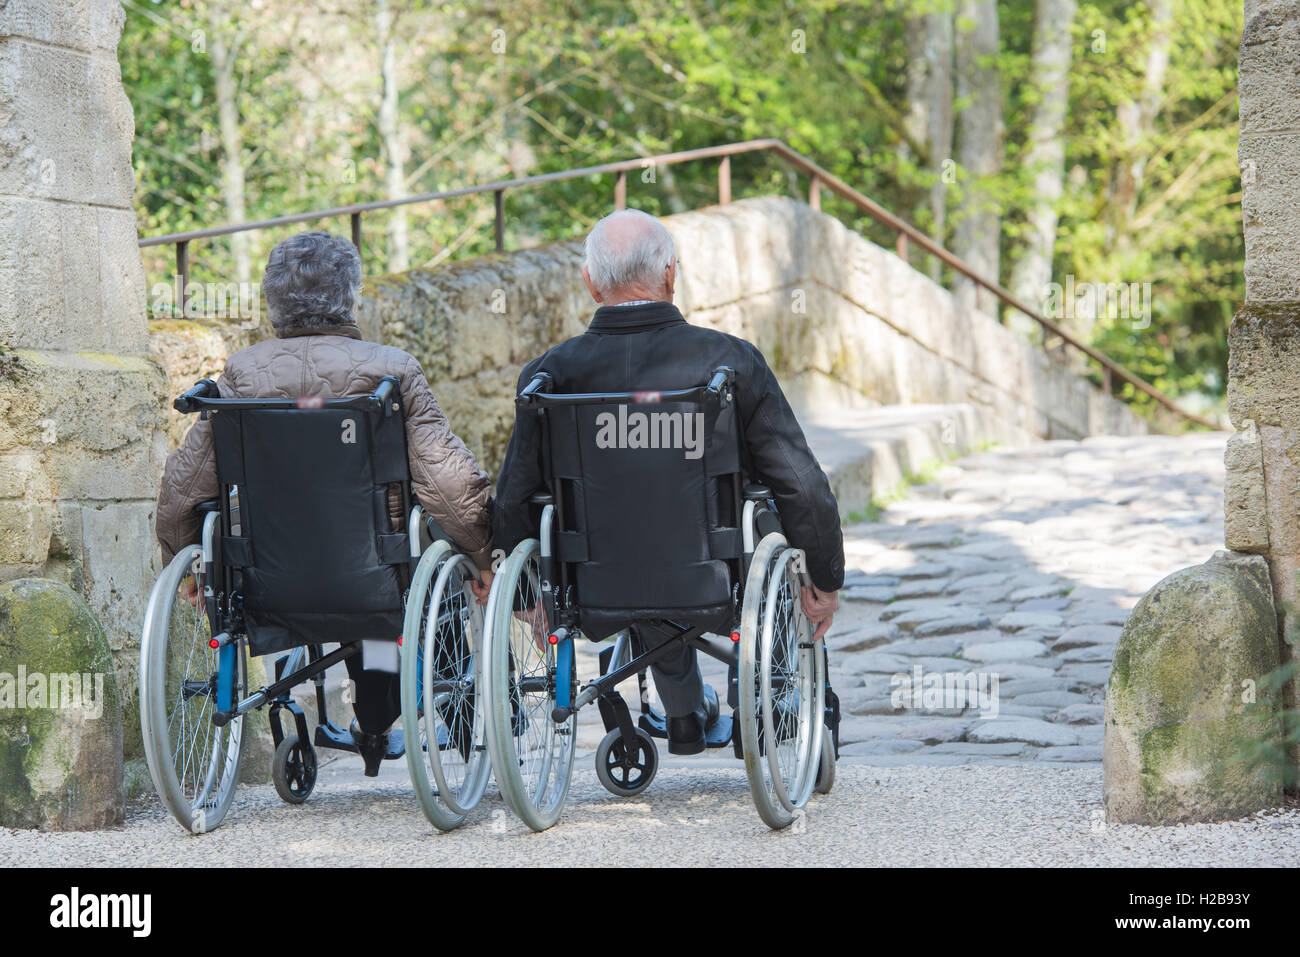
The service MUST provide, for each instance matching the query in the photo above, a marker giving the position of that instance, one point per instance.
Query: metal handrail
(819, 177)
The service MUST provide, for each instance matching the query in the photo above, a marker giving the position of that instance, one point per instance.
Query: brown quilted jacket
(332, 362)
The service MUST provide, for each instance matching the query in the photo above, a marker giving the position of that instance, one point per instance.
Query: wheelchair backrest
(317, 556)
(646, 489)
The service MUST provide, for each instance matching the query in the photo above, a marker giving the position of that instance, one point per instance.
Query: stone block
(70, 277)
(1245, 515)
(53, 102)
(1270, 52)
(60, 712)
(93, 27)
(1177, 733)
(98, 418)
(1270, 197)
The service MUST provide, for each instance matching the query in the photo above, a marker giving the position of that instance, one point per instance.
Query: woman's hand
(481, 586)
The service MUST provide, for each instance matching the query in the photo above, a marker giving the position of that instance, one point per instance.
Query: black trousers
(677, 675)
(377, 699)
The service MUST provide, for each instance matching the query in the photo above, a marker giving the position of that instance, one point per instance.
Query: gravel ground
(696, 813)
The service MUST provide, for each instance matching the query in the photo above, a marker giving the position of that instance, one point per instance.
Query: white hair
(638, 254)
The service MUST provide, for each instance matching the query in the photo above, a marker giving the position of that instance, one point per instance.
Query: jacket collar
(622, 320)
(348, 329)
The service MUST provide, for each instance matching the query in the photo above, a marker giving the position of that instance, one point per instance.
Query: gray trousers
(677, 675)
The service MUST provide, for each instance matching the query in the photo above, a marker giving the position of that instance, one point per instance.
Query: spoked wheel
(782, 686)
(532, 756)
(442, 706)
(622, 774)
(194, 764)
(293, 770)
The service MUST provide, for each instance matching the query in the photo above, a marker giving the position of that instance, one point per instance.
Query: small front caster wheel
(624, 774)
(293, 770)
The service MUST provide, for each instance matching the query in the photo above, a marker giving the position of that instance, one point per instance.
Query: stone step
(871, 452)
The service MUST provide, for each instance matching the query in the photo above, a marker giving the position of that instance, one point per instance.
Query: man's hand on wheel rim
(819, 607)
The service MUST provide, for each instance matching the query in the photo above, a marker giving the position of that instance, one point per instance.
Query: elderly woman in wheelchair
(321, 499)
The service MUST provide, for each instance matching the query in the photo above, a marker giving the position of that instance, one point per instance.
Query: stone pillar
(1262, 494)
(81, 405)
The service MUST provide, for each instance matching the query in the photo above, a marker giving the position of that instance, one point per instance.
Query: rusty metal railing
(819, 179)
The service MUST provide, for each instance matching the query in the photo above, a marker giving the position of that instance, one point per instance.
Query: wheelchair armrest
(757, 493)
(210, 505)
(436, 532)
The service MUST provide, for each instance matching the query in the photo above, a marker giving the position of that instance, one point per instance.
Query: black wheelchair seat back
(317, 557)
(647, 501)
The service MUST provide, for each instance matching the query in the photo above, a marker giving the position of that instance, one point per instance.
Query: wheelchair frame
(294, 766)
(625, 742)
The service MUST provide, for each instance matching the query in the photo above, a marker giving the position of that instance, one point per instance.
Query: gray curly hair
(312, 280)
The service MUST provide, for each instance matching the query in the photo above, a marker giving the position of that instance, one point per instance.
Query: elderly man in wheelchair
(658, 489)
(321, 499)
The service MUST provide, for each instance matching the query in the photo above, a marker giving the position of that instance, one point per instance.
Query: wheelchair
(645, 542)
(299, 551)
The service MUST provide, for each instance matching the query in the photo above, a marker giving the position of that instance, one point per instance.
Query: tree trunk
(390, 136)
(938, 53)
(221, 47)
(1136, 119)
(979, 147)
(917, 118)
(929, 112)
(1045, 157)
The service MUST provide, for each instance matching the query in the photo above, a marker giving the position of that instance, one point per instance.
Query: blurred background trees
(1093, 140)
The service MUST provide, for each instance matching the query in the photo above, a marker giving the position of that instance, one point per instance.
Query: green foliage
(518, 87)
(1278, 728)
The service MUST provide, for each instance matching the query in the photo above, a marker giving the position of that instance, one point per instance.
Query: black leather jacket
(652, 346)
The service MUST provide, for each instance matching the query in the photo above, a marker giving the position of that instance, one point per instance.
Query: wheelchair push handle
(536, 386)
(721, 378)
(383, 394)
(205, 397)
(188, 402)
(536, 393)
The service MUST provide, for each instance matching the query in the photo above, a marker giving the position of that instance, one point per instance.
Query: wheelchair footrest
(396, 745)
(656, 725)
(332, 736)
(719, 734)
(653, 723)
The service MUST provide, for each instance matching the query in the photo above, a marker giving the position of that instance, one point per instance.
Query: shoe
(686, 733)
(371, 747)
